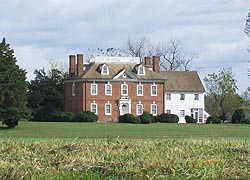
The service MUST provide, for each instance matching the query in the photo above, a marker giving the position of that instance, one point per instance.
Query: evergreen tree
(46, 94)
(13, 89)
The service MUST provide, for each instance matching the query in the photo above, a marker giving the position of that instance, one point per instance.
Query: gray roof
(92, 71)
(184, 81)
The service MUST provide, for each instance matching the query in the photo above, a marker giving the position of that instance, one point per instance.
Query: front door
(125, 109)
(196, 115)
(124, 105)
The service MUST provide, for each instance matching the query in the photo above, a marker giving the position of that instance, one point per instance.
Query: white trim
(73, 89)
(153, 85)
(168, 97)
(92, 85)
(124, 85)
(129, 75)
(107, 69)
(196, 97)
(139, 68)
(115, 59)
(151, 109)
(137, 109)
(91, 106)
(108, 104)
(168, 111)
(182, 97)
(182, 113)
(137, 89)
(106, 85)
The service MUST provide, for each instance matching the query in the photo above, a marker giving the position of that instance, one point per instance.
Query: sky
(40, 31)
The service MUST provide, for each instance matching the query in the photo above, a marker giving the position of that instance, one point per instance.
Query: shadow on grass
(5, 128)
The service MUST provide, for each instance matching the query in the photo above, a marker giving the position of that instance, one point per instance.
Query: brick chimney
(147, 61)
(156, 61)
(72, 62)
(79, 64)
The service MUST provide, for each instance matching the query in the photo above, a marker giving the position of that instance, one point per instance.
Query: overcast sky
(39, 30)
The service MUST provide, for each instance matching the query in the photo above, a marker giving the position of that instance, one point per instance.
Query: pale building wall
(175, 105)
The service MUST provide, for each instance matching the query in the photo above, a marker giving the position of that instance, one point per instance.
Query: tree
(172, 57)
(46, 93)
(247, 25)
(247, 31)
(246, 97)
(222, 88)
(110, 52)
(13, 89)
(138, 48)
(238, 116)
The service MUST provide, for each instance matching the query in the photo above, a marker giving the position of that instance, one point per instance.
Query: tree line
(173, 56)
(38, 99)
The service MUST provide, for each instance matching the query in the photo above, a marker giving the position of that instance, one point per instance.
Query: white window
(73, 89)
(182, 113)
(139, 109)
(108, 89)
(196, 97)
(141, 70)
(182, 96)
(168, 97)
(105, 69)
(154, 90)
(108, 108)
(124, 89)
(168, 111)
(153, 109)
(94, 107)
(94, 90)
(139, 90)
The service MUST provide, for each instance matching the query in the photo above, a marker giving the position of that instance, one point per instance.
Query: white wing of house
(184, 95)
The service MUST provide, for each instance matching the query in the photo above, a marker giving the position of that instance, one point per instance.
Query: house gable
(125, 74)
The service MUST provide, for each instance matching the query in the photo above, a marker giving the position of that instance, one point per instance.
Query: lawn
(124, 151)
(124, 131)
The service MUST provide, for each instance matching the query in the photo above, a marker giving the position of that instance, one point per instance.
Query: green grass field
(124, 131)
(61, 151)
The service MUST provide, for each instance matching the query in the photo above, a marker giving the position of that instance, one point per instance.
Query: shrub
(213, 120)
(168, 118)
(156, 119)
(62, 116)
(190, 119)
(129, 118)
(43, 114)
(86, 116)
(11, 120)
(238, 116)
(146, 118)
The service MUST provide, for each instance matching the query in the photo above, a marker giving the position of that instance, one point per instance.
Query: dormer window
(141, 70)
(104, 69)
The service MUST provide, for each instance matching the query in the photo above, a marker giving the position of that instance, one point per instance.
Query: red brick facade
(81, 99)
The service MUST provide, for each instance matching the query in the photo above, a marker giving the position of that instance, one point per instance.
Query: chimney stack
(156, 61)
(147, 61)
(72, 62)
(79, 64)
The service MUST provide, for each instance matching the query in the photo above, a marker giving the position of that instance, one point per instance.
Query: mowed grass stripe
(126, 131)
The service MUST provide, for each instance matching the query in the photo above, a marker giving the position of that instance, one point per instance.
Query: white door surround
(124, 105)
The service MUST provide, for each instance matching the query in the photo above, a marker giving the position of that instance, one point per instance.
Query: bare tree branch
(138, 48)
(170, 55)
(173, 58)
(186, 61)
(247, 26)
